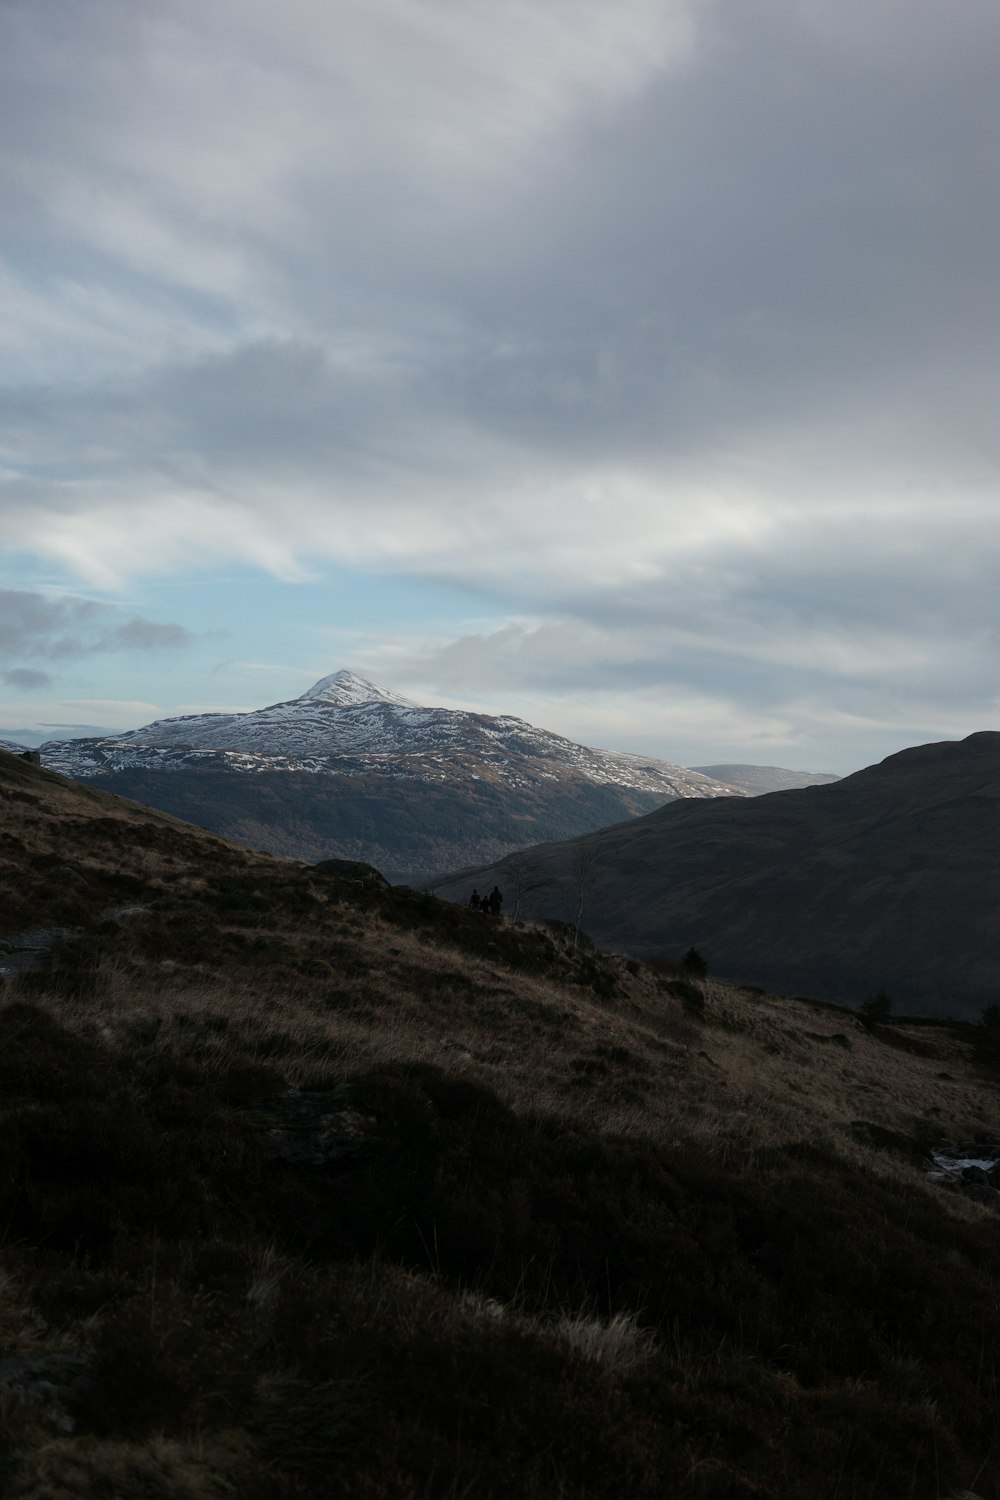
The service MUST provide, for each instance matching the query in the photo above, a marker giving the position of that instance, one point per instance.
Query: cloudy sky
(632, 367)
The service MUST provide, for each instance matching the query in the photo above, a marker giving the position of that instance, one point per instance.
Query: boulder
(353, 869)
(981, 1192)
(314, 1129)
(52, 1387)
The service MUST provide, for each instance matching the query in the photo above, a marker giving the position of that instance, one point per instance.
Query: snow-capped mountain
(456, 780)
(345, 718)
(346, 689)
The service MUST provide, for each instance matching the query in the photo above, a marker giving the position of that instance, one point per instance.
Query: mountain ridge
(757, 779)
(886, 879)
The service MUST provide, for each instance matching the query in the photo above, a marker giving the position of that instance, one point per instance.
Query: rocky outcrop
(315, 1129)
(29, 952)
(353, 869)
(969, 1167)
(52, 1387)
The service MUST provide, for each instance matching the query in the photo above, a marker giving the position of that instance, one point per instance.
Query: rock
(974, 1174)
(353, 869)
(33, 757)
(567, 933)
(28, 952)
(316, 1129)
(14, 964)
(55, 1387)
(981, 1192)
(39, 941)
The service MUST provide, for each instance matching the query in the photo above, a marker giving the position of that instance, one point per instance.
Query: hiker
(495, 901)
(475, 901)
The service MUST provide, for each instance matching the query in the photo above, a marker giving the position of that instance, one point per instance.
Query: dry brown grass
(155, 1470)
(323, 989)
(753, 1073)
(355, 1331)
(20, 1326)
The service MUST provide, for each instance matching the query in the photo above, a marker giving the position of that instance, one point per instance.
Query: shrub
(878, 1008)
(988, 1034)
(694, 964)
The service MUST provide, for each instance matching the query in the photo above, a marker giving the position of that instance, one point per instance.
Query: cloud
(60, 629)
(26, 679)
(138, 634)
(670, 328)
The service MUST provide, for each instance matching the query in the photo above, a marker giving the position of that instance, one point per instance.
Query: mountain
(13, 747)
(760, 779)
(885, 880)
(354, 770)
(316, 1187)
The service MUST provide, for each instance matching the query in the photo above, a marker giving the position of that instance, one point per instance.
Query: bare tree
(525, 875)
(583, 868)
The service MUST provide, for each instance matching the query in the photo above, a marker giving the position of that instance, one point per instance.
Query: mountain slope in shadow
(888, 879)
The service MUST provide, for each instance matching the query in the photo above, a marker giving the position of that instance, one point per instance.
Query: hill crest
(884, 880)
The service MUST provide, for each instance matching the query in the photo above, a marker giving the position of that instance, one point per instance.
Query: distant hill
(758, 780)
(887, 879)
(354, 770)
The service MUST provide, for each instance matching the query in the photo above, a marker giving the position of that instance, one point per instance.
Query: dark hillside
(314, 1187)
(405, 825)
(888, 879)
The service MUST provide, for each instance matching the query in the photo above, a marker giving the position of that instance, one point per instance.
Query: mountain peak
(345, 689)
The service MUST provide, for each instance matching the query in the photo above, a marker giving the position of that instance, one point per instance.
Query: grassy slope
(601, 1234)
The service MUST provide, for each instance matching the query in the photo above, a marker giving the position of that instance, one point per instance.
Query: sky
(632, 368)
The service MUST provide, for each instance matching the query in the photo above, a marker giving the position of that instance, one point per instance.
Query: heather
(314, 1187)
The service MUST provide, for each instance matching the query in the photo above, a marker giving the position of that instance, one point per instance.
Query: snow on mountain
(346, 689)
(345, 724)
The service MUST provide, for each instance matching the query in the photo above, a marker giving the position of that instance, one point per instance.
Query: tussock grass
(755, 1073)
(548, 1142)
(616, 1343)
(157, 1469)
